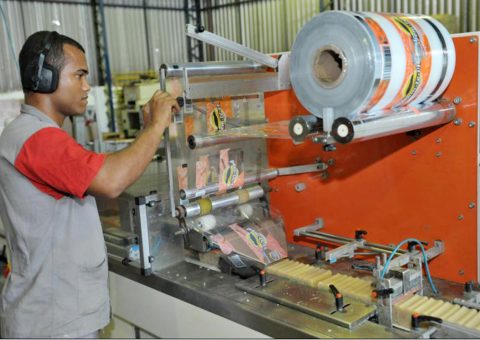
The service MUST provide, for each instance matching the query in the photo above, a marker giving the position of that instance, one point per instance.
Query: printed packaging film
(356, 62)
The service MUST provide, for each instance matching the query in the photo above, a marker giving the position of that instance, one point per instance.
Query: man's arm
(124, 167)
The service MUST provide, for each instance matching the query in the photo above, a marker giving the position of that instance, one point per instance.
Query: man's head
(53, 69)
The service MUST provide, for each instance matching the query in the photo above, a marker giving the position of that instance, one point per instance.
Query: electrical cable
(9, 35)
(387, 263)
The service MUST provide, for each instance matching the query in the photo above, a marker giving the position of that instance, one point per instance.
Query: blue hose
(387, 263)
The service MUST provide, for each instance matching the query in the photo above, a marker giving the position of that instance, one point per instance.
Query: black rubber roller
(342, 130)
(301, 126)
(192, 144)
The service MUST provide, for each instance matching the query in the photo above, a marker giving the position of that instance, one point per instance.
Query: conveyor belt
(356, 288)
(455, 314)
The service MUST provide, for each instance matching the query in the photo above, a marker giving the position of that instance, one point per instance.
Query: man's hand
(158, 111)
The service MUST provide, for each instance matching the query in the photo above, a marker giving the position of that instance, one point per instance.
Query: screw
(438, 140)
(299, 187)
(472, 40)
(461, 272)
(414, 152)
(331, 162)
(438, 154)
(471, 205)
(471, 124)
(457, 121)
(457, 100)
(460, 217)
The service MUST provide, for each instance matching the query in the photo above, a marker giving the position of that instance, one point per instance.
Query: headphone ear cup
(28, 77)
(48, 79)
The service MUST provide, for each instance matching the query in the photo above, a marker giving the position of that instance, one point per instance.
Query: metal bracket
(141, 228)
(318, 224)
(218, 41)
(301, 169)
(346, 250)
(168, 150)
(437, 249)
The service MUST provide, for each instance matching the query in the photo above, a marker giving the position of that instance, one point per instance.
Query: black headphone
(40, 76)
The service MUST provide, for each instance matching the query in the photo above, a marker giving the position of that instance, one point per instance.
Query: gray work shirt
(58, 281)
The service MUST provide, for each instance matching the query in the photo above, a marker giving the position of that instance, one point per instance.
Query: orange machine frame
(394, 187)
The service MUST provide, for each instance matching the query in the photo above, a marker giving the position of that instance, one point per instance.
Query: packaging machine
(338, 181)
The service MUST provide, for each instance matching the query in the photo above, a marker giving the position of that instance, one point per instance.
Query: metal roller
(256, 178)
(212, 68)
(195, 141)
(212, 188)
(205, 206)
(302, 126)
(369, 127)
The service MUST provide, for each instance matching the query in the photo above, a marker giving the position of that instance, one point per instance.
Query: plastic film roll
(355, 62)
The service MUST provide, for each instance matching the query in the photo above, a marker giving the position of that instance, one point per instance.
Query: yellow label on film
(218, 119)
(230, 174)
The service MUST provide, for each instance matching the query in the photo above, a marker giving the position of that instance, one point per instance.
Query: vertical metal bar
(473, 16)
(198, 17)
(450, 7)
(141, 225)
(458, 12)
(96, 30)
(108, 74)
(189, 40)
(168, 151)
(147, 35)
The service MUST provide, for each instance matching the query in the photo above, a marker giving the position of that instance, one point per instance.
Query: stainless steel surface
(466, 303)
(141, 229)
(212, 68)
(310, 301)
(318, 224)
(218, 41)
(345, 250)
(216, 293)
(301, 169)
(224, 201)
(168, 151)
(222, 86)
(196, 142)
(255, 192)
(192, 209)
(447, 330)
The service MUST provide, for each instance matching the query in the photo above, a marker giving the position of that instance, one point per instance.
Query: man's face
(71, 96)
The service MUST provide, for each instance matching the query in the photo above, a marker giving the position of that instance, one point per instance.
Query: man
(58, 281)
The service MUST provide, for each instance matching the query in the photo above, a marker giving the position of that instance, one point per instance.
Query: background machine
(335, 185)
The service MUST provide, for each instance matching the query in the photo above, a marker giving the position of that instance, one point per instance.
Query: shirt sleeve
(51, 159)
